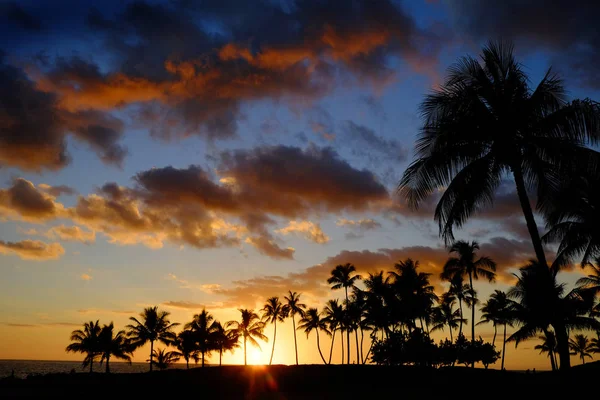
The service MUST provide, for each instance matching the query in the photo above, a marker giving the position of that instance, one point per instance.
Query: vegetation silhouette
(248, 328)
(162, 358)
(86, 341)
(295, 307)
(312, 321)
(274, 311)
(580, 346)
(111, 344)
(548, 345)
(203, 327)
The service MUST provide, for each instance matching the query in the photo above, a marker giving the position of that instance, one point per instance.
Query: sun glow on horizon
(255, 356)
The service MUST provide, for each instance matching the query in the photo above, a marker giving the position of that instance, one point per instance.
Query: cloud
(56, 191)
(358, 227)
(25, 200)
(15, 14)
(33, 250)
(187, 305)
(268, 247)
(72, 233)
(95, 311)
(366, 143)
(21, 325)
(85, 277)
(308, 229)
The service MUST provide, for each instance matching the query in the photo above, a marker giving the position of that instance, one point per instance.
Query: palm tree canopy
(225, 339)
(202, 325)
(313, 321)
(162, 358)
(341, 276)
(86, 341)
(548, 344)
(249, 327)
(186, 344)
(466, 263)
(486, 121)
(445, 314)
(334, 314)
(274, 310)
(114, 345)
(580, 346)
(153, 325)
(498, 310)
(293, 304)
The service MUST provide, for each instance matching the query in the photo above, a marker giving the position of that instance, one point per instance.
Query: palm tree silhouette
(486, 121)
(163, 358)
(445, 315)
(499, 310)
(274, 311)
(312, 321)
(115, 345)
(379, 297)
(154, 325)
(334, 315)
(224, 339)
(249, 327)
(459, 290)
(591, 282)
(341, 277)
(580, 346)
(86, 341)
(294, 307)
(467, 263)
(202, 325)
(186, 346)
(548, 345)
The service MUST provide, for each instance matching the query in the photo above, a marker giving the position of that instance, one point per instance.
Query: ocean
(23, 368)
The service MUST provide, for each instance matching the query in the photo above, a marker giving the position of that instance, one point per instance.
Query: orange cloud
(32, 250)
(308, 229)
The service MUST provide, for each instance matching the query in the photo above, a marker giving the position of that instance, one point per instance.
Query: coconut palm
(548, 345)
(163, 358)
(466, 263)
(445, 315)
(595, 343)
(580, 346)
(187, 347)
(274, 311)
(379, 296)
(485, 122)
(113, 345)
(294, 307)
(224, 340)
(249, 327)
(334, 315)
(591, 282)
(202, 325)
(498, 310)
(459, 290)
(153, 325)
(86, 341)
(342, 277)
(312, 321)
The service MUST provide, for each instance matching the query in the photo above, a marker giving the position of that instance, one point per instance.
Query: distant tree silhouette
(186, 346)
(274, 311)
(334, 316)
(86, 341)
(294, 307)
(466, 263)
(459, 290)
(548, 345)
(249, 327)
(163, 358)
(445, 315)
(224, 340)
(580, 346)
(499, 310)
(380, 298)
(312, 321)
(202, 325)
(153, 325)
(115, 345)
(342, 277)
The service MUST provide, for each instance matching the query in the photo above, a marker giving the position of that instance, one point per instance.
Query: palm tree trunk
(342, 338)
(357, 350)
(362, 336)
(562, 343)
(451, 340)
(472, 307)
(495, 332)
(187, 363)
(503, 348)
(582, 359)
(461, 315)
(552, 360)
(348, 330)
(245, 363)
(528, 213)
(203, 359)
(274, 336)
(331, 349)
(91, 364)
(295, 342)
(107, 364)
(151, 351)
(368, 352)
(220, 356)
(319, 347)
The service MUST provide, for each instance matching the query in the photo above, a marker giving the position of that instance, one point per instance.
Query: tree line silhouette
(485, 124)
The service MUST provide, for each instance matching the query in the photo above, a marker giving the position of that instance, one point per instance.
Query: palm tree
(86, 341)
(115, 345)
(202, 325)
(548, 345)
(154, 325)
(459, 290)
(499, 310)
(591, 282)
(312, 321)
(162, 358)
(249, 327)
(467, 263)
(274, 311)
(224, 339)
(334, 315)
(445, 315)
(187, 347)
(580, 346)
(295, 307)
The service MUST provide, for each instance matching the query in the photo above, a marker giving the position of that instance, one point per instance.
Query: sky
(192, 154)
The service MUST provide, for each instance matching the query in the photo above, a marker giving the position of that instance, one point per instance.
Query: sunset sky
(214, 153)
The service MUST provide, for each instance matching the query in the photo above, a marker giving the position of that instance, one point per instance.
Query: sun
(255, 356)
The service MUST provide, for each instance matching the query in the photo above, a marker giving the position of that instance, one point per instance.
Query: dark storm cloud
(568, 28)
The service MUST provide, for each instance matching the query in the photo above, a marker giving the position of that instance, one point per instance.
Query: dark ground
(308, 382)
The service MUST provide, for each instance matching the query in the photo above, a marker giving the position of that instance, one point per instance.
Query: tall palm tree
(445, 315)
(294, 307)
(459, 290)
(466, 263)
(548, 345)
(312, 321)
(499, 310)
(249, 327)
(342, 277)
(224, 340)
(202, 325)
(163, 358)
(86, 341)
(334, 315)
(153, 325)
(115, 345)
(187, 347)
(274, 311)
(486, 121)
(580, 346)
